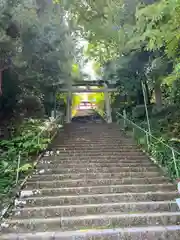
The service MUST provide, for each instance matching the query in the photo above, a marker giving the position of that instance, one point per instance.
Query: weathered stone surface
(95, 185)
(94, 182)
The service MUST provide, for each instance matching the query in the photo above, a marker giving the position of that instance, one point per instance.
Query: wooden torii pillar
(69, 107)
(107, 104)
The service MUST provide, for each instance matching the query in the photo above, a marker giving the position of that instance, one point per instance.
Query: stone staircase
(97, 185)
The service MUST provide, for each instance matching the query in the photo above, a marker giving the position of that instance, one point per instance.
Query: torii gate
(88, 84)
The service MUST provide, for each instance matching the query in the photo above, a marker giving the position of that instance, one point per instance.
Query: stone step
(93, 141)
(96, 134)
(96, 154)
(77, 138)
(115, 220)
(49, 177)
(79, 135)
(99, 198)
(97, 147)
(98, 150)
(96, 179)
(88, 156)
(89, 209)
(61, 163)
(102, 163)
(84, 170)
(104, 189)
(96, 168)
(102, 153)
(170, 232)
(123, 143)
(121, 220)
(92, 182)
(85, 143)
(100, 158)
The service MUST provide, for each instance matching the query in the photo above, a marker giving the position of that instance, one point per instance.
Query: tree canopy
(130, 42)
(37, 45)
(133, 41)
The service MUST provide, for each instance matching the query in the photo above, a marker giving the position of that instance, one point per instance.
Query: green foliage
(132, 41)
(76, 99)
(37, 45)
(27, 142)
(158, 149)
(139, 112)
(128, 27)
(159, 24)
(98, 99)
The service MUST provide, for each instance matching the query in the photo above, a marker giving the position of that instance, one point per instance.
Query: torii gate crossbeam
(88, 89)
(80, 90)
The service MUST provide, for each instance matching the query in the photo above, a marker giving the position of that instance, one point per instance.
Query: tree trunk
(147, 92)
(1, 79)
(0, 82)
(158, 94)
(140, 97)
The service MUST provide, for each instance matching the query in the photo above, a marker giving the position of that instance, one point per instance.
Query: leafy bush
(163, 155)
(165, 111)
(31, 106)
(138, 112)
(27, 142)
(158, 149)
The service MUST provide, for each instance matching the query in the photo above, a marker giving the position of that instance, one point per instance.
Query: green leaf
(25, 167)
